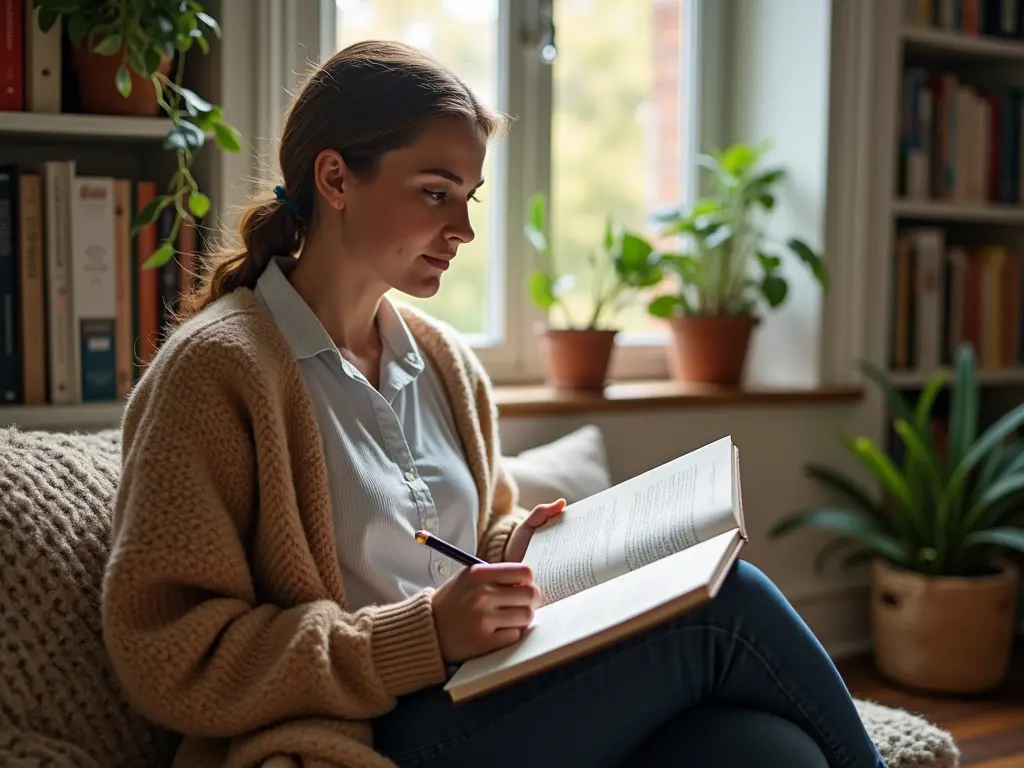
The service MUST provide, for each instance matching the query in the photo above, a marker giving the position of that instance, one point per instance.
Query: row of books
(31, 61)
(998, 18)
(946, 293)
(82, 316)
(958, 142)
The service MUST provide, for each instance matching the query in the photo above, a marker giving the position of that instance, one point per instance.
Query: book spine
(10, 362)
(148, 290)
(170, 283)
(123, 310)
(58, 179)
(12, 89)
(32, 289)
(94, 287)
(42, 64)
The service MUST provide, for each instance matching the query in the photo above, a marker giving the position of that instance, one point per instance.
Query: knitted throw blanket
(60, 704)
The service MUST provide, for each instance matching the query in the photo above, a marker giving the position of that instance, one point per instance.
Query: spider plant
(942, 512)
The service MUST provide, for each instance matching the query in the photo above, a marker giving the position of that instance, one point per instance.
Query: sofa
(60, 702)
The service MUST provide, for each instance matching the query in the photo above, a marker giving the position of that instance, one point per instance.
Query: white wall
(778, 69)
(775, 442)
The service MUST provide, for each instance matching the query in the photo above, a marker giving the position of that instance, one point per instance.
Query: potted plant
(578, 354)
(942, 598)
(123, 55)
(732, 271)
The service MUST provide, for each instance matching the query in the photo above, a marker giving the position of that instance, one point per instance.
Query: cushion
(62, 704)
(906, 740)
(572, 467)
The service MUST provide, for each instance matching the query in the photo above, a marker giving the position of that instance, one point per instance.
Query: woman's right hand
(483, 608)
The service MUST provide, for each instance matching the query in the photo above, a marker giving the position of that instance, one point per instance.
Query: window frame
(292, 40)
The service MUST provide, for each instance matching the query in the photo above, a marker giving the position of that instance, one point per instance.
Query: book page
(658, 513)
(597, 617)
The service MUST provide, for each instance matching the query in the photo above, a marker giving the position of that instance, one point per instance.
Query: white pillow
(572, 467)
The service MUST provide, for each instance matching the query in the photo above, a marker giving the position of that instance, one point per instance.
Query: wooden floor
(988, 728)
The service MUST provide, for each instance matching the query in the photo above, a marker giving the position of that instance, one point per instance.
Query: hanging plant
(144, 38)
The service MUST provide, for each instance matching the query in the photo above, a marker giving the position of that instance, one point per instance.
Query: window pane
(619, 131)
(464, 35)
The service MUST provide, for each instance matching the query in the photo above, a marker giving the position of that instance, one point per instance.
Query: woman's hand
(515, 547)
(483, 608)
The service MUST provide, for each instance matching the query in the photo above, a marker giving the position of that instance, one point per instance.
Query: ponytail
(266, 229)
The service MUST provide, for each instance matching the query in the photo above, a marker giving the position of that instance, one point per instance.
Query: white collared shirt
(395, 462)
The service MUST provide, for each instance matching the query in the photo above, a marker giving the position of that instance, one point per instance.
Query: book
(623, 561)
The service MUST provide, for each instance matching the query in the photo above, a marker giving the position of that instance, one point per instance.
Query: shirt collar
(306, 336)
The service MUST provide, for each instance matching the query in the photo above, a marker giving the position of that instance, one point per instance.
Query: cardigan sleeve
(215, 616)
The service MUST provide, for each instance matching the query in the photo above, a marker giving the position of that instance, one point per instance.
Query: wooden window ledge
(538, 400)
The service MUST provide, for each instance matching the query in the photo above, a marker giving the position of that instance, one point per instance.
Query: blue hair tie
(289, 205)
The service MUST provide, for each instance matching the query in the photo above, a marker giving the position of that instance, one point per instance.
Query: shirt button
(442, 568)
(410, 475)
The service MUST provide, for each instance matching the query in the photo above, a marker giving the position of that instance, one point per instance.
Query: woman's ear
(331, 176)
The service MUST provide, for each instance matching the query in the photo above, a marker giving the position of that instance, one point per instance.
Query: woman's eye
(437, 197)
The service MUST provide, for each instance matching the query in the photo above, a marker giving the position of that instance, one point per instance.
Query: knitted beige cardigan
(223, 605)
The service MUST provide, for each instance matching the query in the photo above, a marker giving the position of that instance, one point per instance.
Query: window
(465, 34)
(608, 128)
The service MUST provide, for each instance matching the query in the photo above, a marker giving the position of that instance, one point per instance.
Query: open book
(622, 561)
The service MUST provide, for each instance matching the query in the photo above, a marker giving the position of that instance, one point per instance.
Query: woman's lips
(441, 264)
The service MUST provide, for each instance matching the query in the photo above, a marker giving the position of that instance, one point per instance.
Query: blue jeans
(738, 682)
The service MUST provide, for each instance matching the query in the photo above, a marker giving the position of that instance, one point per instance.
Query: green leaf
(536, 212)
(963, 408)
(151, 60)
(894, 484)
(636, 252)
(768, 201)
(78, 28)
(536, 238)
(193, 103)
(149, 214)
(109, 45)
(123, 81)
(987, 442)
(1008, 538)
(47, 19)
(210, 22)
(992, 495)
(541, 286)
(609, 234)
(199, 204)
(160, 256)
(228, 139)
(774, 289)
(811, 259)
(769, 263)
(666, 306)
(184, 136)
(847, 523)
(687, 267)
(851, 490)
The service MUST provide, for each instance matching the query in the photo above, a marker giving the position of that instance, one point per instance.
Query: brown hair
(369, 98)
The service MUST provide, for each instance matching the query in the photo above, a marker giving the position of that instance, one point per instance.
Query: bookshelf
(129, 150)
(948, 174)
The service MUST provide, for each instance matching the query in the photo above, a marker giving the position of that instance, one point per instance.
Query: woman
(265, 596)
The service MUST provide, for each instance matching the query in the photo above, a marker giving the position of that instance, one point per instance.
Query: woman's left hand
(515, 547)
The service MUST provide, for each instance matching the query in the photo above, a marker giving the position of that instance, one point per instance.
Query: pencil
(442, 546)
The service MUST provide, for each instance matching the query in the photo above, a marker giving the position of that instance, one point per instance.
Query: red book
(12, 68)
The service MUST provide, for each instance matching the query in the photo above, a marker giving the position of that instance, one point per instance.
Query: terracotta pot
(578, 359)
(96, 82)
(710, 350)
(944, 634)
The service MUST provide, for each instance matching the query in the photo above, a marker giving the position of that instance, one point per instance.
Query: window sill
(517, 401)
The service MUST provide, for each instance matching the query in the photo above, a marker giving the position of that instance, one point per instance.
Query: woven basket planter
(944, 634)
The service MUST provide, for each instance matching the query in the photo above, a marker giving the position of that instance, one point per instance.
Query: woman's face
(405, 223)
